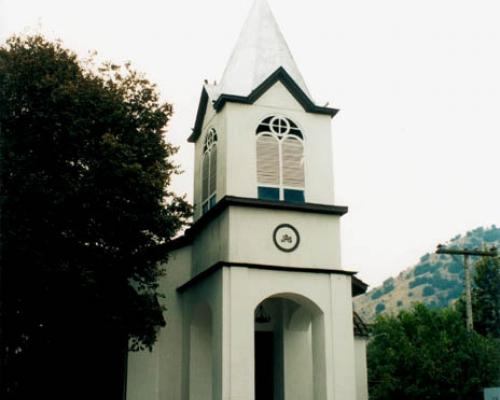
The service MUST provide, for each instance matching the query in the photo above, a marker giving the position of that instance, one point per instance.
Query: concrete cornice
(227, 201)
(358, 286)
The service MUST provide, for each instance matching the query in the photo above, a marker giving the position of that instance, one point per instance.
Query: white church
(258, 304)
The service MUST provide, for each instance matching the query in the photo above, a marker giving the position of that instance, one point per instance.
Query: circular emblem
(286, 237)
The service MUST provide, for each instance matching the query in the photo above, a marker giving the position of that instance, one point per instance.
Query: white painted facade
(236, 174)
(243, 315)
(207, 349)
(361, 369)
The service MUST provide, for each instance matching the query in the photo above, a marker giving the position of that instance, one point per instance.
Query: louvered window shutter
(268, 160)
(213, 171)
(293, 163)
(205, 177)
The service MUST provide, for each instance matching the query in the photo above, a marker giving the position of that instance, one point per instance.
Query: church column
(343, 372)
(237, 337)
(219, 363)
(320, 361)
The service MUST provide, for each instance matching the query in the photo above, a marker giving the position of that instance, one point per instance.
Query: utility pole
(467, 253)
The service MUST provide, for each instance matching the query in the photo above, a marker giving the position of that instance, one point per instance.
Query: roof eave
(279, 75)
(200, 116)
(282, 76)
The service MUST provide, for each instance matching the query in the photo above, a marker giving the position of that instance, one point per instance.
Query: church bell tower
(258, 304)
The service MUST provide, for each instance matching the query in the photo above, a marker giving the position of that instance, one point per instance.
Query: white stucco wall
(206, 293)
(361, 368)
(156, 375)
(218, 122)
(298, 344)
(236, 149)
(206, 351)
(211, 245)
(143, 375)
(245, 235)
(245, 288)
(172, 371)
(242, 121)
(251, 238)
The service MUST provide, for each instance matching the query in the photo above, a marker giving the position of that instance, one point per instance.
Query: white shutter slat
(267, 160)
(293, 163)
(213, 170)
(204, 183)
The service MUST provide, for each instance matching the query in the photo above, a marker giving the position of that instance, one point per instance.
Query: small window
(209, 171)
(294, 196)
(268, 193)
(211, 202)
(280, 160)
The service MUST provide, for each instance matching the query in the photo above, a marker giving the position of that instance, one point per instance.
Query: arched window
(209, 171)
(280, 160)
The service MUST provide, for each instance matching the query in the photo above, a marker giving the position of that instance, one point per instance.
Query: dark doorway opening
(264, 380)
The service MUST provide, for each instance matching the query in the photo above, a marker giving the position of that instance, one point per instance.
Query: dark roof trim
(279, 75)
(360, 328)
(358, 286)
(282, 205)
(200, 116)
(180, 242)
(209, 271)
(227, 201)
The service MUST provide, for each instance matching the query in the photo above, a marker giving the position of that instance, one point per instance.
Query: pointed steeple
(261, 49)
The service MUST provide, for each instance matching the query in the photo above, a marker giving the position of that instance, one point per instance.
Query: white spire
(261, 49)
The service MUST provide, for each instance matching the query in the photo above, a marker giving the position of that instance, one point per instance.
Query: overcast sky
(417, 139)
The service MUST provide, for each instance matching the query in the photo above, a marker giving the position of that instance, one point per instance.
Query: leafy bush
(454, 293)
(492, 235)
(431, 304)
(380, 307)
(442, 301)
(377, 294)
(387, 288)
(421, 280)
(428, 291)
(442, 283)
(455, 267)
(425, 267)
(425, 258)
(435, 280)
(421, 354)
(388, 282)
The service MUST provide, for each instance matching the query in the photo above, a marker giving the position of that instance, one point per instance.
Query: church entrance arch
(289, 349)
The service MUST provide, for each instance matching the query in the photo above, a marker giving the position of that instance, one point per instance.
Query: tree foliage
(86, 210)
(428, 354)
(486, 297)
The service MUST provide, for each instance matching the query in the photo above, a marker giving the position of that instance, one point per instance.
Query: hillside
(437, 279)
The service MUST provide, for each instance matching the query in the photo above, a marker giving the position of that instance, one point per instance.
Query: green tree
(486, 297)
(428, 354)
(86, 218)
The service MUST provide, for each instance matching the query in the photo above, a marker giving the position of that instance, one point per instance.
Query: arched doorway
(289, 349)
